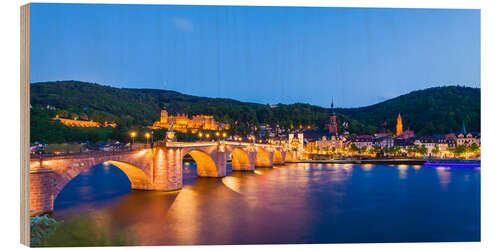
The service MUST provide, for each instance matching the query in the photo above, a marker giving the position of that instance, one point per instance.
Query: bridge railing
(141, 146)
(84, 154)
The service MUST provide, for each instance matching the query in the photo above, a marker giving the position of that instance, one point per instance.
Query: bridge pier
(167, 169)
(220, 160)
(41, 190)
(291, 156)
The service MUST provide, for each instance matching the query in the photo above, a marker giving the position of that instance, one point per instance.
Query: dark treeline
(430, 111)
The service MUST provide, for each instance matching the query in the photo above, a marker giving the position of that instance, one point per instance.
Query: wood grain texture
(25, 122)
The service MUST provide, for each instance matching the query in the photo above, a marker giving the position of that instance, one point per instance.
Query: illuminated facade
(400, 133)
(83, 124)
(324, 145)
(182, 123)
(399, 126)
(468, 139)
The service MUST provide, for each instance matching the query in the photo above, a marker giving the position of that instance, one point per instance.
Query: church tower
(399, 126)
(332, 123)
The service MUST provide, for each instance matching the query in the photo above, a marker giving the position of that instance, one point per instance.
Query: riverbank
(367, 161)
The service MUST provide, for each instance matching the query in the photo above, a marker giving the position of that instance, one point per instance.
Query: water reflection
(367, 167)
(444, 176)
(402, 171)
(296, 203)
(232, 182)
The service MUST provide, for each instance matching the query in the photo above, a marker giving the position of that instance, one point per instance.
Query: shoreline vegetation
(79, 231)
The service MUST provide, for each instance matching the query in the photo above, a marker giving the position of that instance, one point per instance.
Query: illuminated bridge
(158, 168)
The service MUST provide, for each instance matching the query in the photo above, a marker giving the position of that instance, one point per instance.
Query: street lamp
(207, 135)
(224, 135)
(133, 134)
(147, 137)
(200, 135)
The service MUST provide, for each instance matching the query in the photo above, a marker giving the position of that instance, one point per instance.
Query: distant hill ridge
(429, 111)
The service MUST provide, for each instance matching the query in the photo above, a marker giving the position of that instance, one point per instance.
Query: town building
(432, 142)
(385, 141)
(404, 143)
(363, 141)
(182, 123)
(296, 142)
(452, 140)
(325, 144)
(468, 139)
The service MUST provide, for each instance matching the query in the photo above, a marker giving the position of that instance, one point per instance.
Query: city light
(133, 134)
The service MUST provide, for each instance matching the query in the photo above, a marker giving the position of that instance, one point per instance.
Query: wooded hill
(427, 112)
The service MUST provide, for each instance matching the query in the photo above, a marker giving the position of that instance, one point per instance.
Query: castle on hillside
(182, 123)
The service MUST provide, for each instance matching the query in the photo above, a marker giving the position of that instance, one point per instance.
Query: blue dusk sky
(358, 56)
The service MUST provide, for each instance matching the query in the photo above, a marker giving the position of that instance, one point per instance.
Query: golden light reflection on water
(417, 167)
(367, 167)
(444, 176)
(233, 183)
(402, 171)
(347, 168)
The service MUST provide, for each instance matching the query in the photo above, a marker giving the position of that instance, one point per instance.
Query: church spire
(463, 128)
(399, 125)
(331, 109)
(332, 123)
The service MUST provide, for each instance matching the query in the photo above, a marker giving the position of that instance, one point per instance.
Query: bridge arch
(278, 158)
(263, 158)
(137, 177)
(205, 164)
(241, 161)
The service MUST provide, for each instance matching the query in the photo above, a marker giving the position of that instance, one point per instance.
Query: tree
(422, 150)
(435, 150)
(353, 148)
(460, 150)
(412, 151)
(474, 148)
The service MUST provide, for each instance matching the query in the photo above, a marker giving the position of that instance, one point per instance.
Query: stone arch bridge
(158, 168)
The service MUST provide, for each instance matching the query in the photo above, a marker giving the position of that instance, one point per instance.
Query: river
(296, 203)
